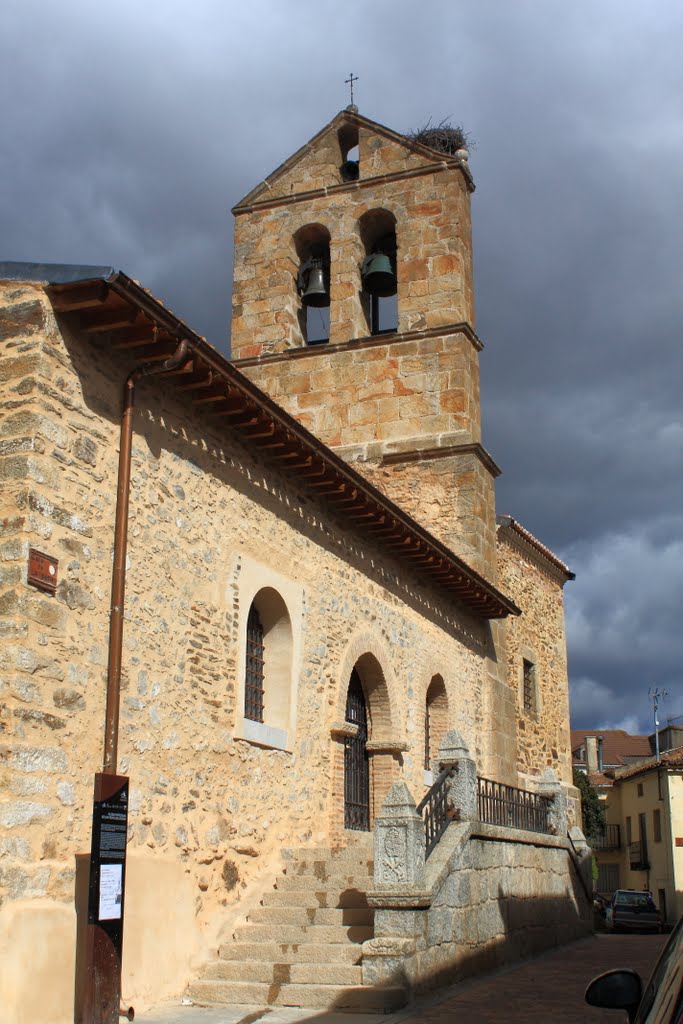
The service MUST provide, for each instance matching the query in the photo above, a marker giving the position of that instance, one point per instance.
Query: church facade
(318, 591)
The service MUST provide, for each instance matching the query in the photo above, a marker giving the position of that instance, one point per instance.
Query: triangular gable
(316, 164)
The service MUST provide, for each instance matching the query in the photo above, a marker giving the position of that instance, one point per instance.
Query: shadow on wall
(525, 928)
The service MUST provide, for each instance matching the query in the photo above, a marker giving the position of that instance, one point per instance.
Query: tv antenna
(657, 697)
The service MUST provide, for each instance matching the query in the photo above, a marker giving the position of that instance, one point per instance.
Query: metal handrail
(436, 809)
(513, 808)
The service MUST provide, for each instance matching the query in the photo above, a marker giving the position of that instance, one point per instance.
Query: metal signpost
(99, 996)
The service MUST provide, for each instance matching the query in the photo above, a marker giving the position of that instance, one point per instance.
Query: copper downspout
(118, 582)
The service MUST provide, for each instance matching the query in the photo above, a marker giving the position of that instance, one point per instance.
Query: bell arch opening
(312, 246)
(347, 137)
(379, 287)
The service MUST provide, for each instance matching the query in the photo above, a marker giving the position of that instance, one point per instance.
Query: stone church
(343, 706)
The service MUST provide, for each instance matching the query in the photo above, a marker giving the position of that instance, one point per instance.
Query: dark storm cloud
(129, 131)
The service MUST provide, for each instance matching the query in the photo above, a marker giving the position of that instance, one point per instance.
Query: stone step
(313, 865)
(339, 997)
(318, 900)
(360, 859)
(311, 915)
(325, 882)
(302, 933)
(358, 850)
(291, 953)
(283, 973)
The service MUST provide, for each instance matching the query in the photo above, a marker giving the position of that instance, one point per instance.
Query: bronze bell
(378, 275)
(314, 291)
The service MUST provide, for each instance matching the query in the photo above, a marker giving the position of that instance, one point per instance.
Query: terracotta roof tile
(618, 745)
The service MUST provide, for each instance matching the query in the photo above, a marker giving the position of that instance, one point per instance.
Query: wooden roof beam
(111, 321)
(198, 385)
(86, 296)
(209, 399)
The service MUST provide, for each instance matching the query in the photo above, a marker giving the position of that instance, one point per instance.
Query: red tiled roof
(674, 759)
(617, 745)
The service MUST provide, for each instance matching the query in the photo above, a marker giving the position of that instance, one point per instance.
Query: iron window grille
(529, 674)
(356, 765)
(253, 684)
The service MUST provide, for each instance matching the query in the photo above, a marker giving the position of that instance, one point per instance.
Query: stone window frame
(528, 656)
(272, 593)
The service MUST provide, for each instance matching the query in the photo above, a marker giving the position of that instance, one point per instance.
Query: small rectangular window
(629, 832)
(640, 789)
(529, 675)
(657, 825)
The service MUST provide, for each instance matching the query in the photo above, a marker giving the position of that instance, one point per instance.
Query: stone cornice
(355, 186)
(400, 898)
(447, 451)
(343, 730)
(369, 341)
(387, 746)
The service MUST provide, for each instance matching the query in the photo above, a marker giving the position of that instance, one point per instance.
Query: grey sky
(129, 131)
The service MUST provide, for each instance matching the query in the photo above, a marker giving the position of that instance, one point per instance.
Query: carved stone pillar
(463, 789)
(551, 787)
(399, 842)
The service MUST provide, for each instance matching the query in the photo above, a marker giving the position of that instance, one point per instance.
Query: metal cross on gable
(349, 81)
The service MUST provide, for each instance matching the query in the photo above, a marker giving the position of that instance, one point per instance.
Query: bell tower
(353, 308)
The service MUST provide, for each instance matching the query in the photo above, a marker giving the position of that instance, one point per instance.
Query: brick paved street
(549, 988)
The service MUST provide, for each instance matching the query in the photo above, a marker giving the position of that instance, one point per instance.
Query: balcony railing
(608, 839)
(637, 856)
(513, 808)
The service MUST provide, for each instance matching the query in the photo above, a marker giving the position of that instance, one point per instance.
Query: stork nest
(444, 137)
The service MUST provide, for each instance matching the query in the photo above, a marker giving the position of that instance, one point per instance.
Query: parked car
(632, 909)
(661, 1002)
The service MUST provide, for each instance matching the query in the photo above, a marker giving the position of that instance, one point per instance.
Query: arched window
(268, 670)
(312, 244)
(378, 272)
(253, 681)
(436, 719)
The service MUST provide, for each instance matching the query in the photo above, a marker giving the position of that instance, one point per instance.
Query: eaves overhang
(513, 531)
(112, 306)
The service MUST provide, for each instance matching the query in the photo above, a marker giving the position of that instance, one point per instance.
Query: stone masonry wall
(318, 166)
(505, 895)
(538, 635)
(378, 391)
(378, 401)
(208, 811)
(451, 492)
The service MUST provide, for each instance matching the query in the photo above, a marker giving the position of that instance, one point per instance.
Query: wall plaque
(42, 570)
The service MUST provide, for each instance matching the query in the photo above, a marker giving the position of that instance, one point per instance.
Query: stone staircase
(302, 946)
